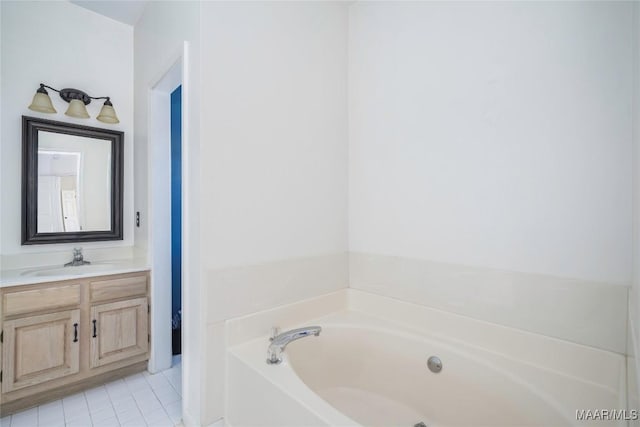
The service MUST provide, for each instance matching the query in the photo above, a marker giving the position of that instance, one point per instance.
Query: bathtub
(369, 367)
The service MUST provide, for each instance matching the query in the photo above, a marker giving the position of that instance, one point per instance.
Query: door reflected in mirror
(74, 183)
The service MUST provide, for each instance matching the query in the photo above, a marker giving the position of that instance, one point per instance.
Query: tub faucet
(77, 259)
(279, 342)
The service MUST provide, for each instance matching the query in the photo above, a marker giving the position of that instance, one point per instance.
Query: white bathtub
(372, 370)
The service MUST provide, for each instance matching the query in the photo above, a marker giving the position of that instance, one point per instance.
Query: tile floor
(139, 400)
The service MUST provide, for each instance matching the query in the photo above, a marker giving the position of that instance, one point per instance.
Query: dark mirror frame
(30, 128)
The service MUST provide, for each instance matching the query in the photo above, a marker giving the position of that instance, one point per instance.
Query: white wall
(274, 171)
(275, 138)
(95, 54)
(160, 35)
(494, 136)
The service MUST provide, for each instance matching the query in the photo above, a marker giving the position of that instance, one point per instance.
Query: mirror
(72, 182)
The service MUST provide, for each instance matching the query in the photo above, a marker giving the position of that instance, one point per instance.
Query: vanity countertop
(30, 276)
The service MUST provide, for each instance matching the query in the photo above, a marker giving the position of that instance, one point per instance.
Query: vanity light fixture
(77, 100)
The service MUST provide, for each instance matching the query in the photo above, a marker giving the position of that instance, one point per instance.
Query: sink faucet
(78, 260)
(279, 342)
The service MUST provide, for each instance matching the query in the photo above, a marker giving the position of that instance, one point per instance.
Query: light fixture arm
(69, 93)
(42, 86)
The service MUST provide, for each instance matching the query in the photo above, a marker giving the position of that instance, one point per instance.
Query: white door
(49, 206)
(70, 210)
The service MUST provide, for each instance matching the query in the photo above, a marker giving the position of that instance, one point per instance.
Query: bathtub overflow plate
(435, 364)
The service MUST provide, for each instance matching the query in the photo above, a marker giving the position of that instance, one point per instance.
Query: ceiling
(127, 12)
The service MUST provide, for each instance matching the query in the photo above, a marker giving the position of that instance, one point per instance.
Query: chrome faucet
(279, 342)
(77, 259)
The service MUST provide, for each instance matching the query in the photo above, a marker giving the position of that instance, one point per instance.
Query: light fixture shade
(77, 109)
(108, 113)
(42, 103)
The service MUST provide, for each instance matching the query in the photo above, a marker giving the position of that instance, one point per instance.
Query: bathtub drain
(420, 424)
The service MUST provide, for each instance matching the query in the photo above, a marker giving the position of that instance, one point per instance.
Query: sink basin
(70, 271)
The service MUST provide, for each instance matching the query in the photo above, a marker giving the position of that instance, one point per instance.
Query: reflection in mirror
(72, 179)
(74, 183)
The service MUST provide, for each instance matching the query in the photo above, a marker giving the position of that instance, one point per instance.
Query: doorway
(185, 367)
(165, 217)
(176, 221)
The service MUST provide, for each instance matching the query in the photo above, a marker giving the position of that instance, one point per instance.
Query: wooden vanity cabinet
(61, 337)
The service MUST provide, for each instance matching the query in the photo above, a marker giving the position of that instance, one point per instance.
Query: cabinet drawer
(40, 299)
(124, 287)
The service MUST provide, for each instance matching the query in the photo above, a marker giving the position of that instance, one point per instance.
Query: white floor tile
(51, 414)
(96, 391)
(51, 405)
(158, 381)
(124, 405)
(136, 382)
(74, 401)
(142, 394)
(50, 421)
(129, 415)
(28, 418)
(117, 388)
(51, 424)
(158, 418)
(167, 395)
(99, 405)
(148, 406)
(83, 420)
(109, 422)
(174, 410)
(103, 414)
(79, 413)
(177, 386)
(140, 400)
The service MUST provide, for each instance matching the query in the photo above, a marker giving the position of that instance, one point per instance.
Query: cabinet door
(119, 331)
(40, 348)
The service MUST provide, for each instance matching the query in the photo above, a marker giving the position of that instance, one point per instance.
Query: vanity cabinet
(61, 337)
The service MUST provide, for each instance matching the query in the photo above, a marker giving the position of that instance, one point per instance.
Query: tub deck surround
(272, 284)
(370, 362)
(582, 311)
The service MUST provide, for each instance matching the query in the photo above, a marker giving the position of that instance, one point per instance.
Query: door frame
(159, 101)
(158, 95)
